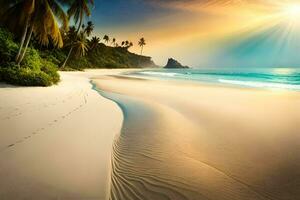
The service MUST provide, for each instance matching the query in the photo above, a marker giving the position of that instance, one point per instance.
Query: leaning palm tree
(22, 11)
(36, 17)
(142, 43)
(106, 39)
(78, 10)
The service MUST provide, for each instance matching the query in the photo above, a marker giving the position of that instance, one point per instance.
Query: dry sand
(190, 141)
(179, 141)
(55, 143)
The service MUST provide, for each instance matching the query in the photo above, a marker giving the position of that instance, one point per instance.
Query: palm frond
(74, 12)
(81, 46)
(46, 26)
(60, 14)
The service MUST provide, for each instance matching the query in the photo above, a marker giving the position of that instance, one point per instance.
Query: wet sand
(189, 141)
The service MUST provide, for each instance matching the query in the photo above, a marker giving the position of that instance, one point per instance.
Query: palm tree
(78, 10)
(38, 17)
(130, 44)
(142, 43)
(113, 42)
(71, 36)
(23, 10)
(94, 42)
(106, 39)
(126, 43)
(81, 45)
(89, 28)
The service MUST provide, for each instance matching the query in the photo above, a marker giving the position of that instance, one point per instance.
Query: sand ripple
(206, 143)
(150, 160)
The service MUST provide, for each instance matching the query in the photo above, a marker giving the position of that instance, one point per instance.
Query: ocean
(271, 78)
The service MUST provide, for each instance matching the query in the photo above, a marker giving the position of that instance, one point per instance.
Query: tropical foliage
(43, 42)
(110, 57)
(37, 20)
(40, 18)
(106, 39)
(33, 71)
(78, 10)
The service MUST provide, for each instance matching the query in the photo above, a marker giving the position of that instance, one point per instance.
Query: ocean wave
(257, 84)
(170, 74)
(248, 79)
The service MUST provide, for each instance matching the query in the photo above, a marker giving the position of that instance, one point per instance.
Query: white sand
(181, 140)
(55, 143)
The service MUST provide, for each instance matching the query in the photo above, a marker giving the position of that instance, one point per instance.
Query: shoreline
(233, 141)
(56, 141)
(99, 126)
(204, 84)
(176, 76)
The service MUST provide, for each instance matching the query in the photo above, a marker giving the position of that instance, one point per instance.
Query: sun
(292, 11)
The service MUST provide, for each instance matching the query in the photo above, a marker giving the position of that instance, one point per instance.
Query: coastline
(91, 110)
(56, 142)
(237, 143)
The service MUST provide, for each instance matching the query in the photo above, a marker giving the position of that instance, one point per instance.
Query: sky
(206, 33)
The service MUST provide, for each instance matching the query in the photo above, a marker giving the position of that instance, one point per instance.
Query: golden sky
(194, 31)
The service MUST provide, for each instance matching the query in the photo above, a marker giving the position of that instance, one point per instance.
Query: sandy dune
(189, 141)
(56, 142)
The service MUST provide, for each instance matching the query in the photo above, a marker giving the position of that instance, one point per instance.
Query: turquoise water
(275, 78)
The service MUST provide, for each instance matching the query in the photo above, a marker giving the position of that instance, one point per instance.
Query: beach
(56, 141)
(185, 140)
(150, 100)
(103, 135)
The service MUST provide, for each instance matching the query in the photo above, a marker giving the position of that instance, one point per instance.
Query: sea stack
(174, 64)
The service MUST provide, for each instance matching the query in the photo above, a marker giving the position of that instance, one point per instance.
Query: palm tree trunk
(66, 60)
(71, 49)
(142, 50)
(22, 41)
(80, 23)
(26, 45)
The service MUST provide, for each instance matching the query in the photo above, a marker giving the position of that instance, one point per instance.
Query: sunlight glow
(292, 11)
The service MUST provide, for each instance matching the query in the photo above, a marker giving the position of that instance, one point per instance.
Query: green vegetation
(30, 20)
(78, 10)
(33, 71)
(42, 42)
(117, 57)
(97, 56)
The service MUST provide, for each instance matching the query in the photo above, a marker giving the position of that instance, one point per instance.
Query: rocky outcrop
(174, 64)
